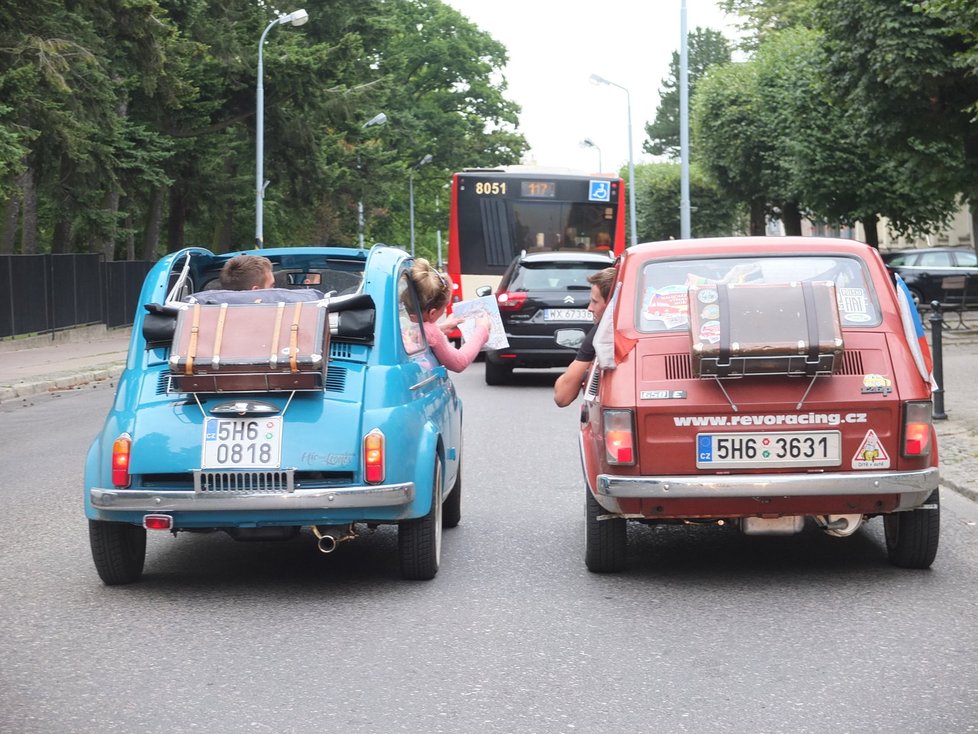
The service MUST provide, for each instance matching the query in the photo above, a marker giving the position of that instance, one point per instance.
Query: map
(471, 309)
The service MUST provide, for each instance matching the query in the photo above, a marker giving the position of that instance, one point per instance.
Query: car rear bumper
(913, 487)
(136, 500)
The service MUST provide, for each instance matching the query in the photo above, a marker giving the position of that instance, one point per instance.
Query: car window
(900, 260)
(934, 260)
(966, 259)
(662, 294)
(409, 316)
(553, 276)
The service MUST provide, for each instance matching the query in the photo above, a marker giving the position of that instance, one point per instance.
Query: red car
(766, 382)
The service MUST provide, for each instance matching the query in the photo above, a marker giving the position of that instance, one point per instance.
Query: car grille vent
(679, 367)
(243, 482)
(850, 364)
(162, 382)
(351, 352)
(335, 378)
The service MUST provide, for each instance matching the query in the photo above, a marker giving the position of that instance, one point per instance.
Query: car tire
(451, 509)
(419, 540)
(497, 374)
(605, 541)
(912, 536)
(918, 299)
(118, 549)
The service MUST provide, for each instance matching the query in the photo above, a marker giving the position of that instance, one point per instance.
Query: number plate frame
(567, 314)
(219, 439)
(752, 445)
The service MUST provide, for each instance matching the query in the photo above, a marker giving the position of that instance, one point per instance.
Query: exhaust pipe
(330, 536)
(326, 544)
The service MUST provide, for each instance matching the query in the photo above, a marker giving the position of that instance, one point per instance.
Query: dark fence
(44, 293)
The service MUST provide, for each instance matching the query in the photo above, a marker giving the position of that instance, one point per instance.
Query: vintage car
(324, 411)
(764, 382)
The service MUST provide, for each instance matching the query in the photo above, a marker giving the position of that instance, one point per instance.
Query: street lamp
(297, 17)
(595, 79)
(378, 119)
(588, 143)
(684, 217)
(423, 162)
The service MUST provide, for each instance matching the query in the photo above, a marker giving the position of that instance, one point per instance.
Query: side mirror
(569, 338)
(483, 290)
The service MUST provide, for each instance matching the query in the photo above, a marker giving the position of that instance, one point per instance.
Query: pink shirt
(454, 359)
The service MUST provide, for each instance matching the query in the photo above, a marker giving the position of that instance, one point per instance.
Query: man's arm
(568, 385)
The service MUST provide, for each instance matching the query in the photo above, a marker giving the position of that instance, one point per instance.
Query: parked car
(543, 297)
(767, 383)
(367, 431)
(926, 273)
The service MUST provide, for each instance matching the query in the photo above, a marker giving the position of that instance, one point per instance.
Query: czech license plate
(567, 314)
(774, 450)
(242, 443)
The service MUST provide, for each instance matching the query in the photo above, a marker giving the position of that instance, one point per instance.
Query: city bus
(497, 213)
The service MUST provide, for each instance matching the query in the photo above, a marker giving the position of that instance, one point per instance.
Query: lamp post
(684, 218)
(296, 18)
(423, 162)
(588, 143)
(631, 161)
(378, 119)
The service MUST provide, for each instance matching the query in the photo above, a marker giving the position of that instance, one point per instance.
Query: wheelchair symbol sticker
(599, 191)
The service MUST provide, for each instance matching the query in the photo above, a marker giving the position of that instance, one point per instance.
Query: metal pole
(438, 231)
(684, 217)
(631, 171)
(411, 207)
(936, 325)
(260, 142)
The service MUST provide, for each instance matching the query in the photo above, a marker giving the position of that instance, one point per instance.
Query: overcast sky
(554, 47)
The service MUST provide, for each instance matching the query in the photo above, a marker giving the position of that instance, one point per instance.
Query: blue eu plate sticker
(210, 430)
(704, 448)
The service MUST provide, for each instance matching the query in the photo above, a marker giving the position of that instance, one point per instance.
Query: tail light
(619, 437)
(120, 460)
(158, 522)
(510, 301)
(917, 429)
(373, 457)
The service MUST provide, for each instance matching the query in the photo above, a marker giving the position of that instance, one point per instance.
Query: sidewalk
(32, 368)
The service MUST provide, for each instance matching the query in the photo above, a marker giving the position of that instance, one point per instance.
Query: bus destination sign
(538, 189)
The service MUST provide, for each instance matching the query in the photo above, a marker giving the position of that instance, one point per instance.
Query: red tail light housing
(510, 301)
(917, 430)
(619, 437)
(121, 448)
(374, 460)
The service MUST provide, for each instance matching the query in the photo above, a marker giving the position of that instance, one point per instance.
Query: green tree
(657, 204)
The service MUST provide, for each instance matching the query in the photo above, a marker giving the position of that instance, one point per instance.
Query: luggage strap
(192, 345)
(280, 311)
(219, 336)
(294, 339)
(811, 318)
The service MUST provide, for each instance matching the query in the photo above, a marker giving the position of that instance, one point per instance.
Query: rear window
(662, 294)
(554, 276)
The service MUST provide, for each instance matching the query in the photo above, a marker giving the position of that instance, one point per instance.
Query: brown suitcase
(743, 329)
(255, 347)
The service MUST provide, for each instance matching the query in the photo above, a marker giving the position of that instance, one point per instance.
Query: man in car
(568, 385)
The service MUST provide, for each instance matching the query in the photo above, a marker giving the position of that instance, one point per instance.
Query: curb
(58, 382)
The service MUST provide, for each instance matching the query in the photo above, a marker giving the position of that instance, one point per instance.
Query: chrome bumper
(387, 495)
(770, 485)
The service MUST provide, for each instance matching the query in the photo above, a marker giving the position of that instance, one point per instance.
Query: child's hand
(449, 324)
(483, 320)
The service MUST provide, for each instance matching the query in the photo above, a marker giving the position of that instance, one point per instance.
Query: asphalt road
(707, 630)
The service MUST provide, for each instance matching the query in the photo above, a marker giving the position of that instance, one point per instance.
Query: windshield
(662, 296)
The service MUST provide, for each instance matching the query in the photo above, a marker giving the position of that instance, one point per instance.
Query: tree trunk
(28, 231)
(973, 208)
(61, 237)
(130, 238)
(872, 234)
(758, 222)
(178, 213)
(11, 215)
(154, 220)
(791, 218)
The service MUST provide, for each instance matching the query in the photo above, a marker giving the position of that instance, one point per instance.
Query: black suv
(543, 295)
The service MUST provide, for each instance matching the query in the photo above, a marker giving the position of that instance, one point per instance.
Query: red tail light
(510, 301)
(917, 429)
(120, 460)
(619, 437)
(373, 457)
(157, 522)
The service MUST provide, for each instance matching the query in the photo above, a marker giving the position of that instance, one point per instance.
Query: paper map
(470, 310)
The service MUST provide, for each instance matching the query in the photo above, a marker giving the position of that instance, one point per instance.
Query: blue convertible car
(219, 426)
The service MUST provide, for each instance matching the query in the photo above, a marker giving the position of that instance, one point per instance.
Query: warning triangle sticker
(871, 454)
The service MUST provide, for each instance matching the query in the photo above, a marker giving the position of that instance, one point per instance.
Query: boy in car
(568, 385)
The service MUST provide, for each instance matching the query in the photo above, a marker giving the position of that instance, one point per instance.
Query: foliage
(657, 204)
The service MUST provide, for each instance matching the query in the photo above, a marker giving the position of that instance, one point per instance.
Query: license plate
(774, 450)
(242, 443)
(567, 314)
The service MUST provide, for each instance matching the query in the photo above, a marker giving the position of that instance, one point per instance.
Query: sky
(555, 45)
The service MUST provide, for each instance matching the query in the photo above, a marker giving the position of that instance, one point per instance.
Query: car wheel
(918, 299)
(911, 537)
(419, 541)
(605, 541)
(451, 509)
(497, 374)
(118, 549)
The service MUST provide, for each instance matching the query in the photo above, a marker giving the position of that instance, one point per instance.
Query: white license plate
(567, 314)
(242, 443)
(768, 450)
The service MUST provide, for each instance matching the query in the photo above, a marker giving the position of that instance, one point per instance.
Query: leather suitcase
(742, 329)
(255, 347)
